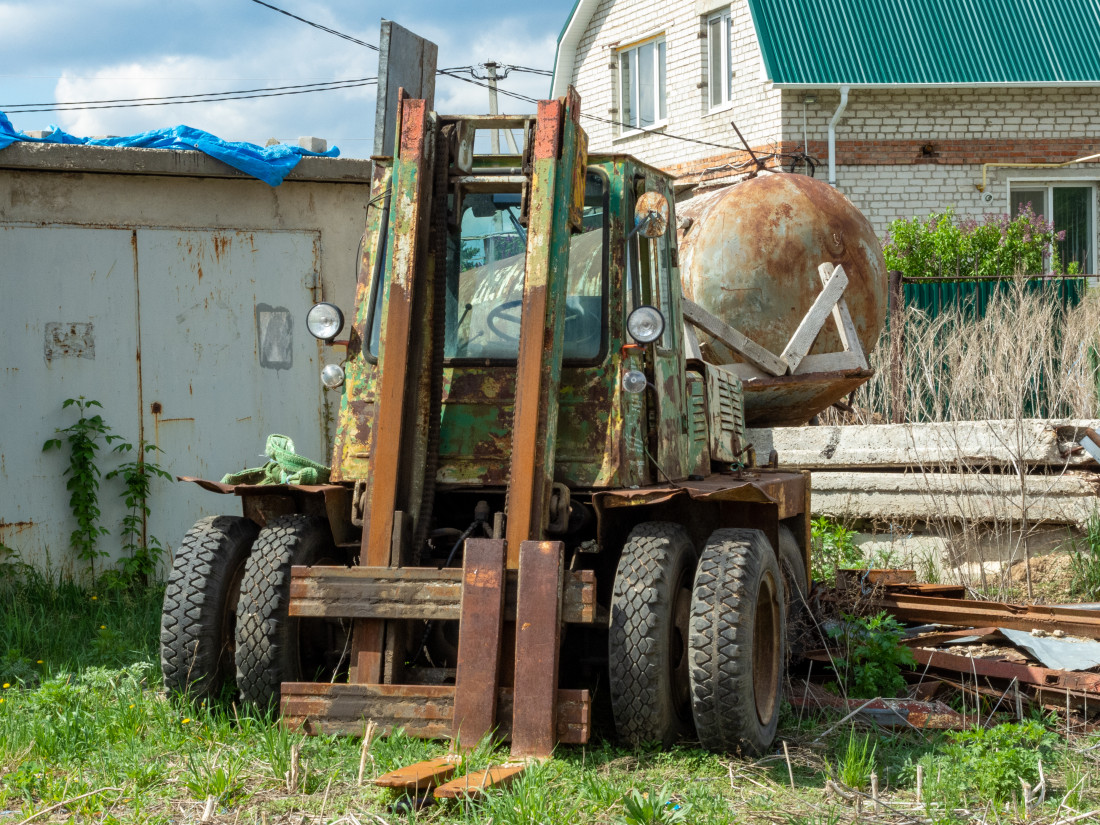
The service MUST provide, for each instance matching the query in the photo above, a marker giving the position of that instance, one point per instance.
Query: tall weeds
(1028, 358)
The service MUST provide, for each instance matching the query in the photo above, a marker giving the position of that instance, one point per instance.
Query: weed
(84, 438)
(871, 655)
(644, 808)
(1085, 561)
(856, 762)
(143, 555)
(221, 781)
(832, 548)
(986, 763)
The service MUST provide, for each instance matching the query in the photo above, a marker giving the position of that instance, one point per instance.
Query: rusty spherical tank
(750, 254)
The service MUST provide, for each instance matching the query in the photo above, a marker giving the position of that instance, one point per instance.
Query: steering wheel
(508, 313)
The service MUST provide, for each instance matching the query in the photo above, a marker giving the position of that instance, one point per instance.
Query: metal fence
(934, 294)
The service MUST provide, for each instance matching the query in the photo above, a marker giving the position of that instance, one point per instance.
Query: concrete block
(313, 144)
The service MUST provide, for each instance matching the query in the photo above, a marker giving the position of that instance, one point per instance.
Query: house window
(1070, 208)
(719, 59)
(642, 85)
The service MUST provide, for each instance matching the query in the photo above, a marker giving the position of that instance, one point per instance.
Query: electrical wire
(320, 86)
(66, 107)
(317, 25)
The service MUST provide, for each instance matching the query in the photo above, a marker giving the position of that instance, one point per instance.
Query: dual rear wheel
(698, 643)
(226, 609)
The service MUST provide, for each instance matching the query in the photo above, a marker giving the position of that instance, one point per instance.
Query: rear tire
(737, 642)
(647, 641)
(198, 621)
(272, 646)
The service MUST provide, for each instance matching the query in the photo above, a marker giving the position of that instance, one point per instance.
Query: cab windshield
(486, 270)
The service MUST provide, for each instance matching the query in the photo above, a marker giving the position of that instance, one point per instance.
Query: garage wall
(175, 296)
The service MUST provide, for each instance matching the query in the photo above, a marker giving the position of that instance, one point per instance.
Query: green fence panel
(933, 295)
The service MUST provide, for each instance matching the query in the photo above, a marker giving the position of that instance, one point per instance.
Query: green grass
(88, 726)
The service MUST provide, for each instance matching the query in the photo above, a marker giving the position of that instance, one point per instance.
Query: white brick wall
(618, 23)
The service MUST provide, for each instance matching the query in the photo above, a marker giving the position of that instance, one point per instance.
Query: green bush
(986, 763)
(832, 548)
(945, 245)
(871, 656)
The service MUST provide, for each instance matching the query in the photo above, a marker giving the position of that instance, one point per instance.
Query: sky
(66, 51)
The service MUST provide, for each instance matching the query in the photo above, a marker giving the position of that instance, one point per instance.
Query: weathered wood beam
(814, 319)
(423, 711)
(737, 341)
(415, 593)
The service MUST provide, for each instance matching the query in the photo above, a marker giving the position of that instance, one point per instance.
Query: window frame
(1048, 184)
(660, 83)
(725, 24)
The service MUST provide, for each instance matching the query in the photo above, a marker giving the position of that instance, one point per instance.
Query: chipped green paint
(603, 434)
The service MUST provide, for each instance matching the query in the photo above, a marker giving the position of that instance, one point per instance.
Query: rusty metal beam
(416, 593)
(970, 613)
(478, 673)
(388, 474)
(421, 776)
(1039, 677)
(424, 711)
(538, 642)
(473, 785)
(538, 367)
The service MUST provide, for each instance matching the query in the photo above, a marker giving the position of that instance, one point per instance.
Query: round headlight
(324, 321)
(645, 324)
(634, 381)
(332, 376)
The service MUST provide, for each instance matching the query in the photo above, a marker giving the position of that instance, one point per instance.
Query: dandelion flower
(41, 662)
(93, 598)
(131, 707)
(103, 627)
(7, 685)
(186, 721)
(1, 700)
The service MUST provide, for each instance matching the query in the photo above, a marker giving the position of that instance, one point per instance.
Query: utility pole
(494, 137)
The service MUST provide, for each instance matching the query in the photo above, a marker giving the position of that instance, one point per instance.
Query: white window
(642, 85)
(1069, 206)
(719, 60)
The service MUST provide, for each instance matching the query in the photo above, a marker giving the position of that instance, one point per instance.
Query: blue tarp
(268, 163)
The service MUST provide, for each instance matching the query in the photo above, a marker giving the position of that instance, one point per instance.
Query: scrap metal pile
(1005, 658)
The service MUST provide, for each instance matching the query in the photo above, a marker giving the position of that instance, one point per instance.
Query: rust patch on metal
(548, 130)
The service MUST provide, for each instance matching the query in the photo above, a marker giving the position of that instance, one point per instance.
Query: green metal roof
(929, 42)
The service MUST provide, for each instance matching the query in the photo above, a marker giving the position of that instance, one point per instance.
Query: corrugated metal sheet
(928, 42)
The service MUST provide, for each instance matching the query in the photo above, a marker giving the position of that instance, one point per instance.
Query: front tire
(272, 646)
(647, 643)
(737, 642)
(199, 617)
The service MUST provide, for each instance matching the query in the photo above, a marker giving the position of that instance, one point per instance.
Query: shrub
(945, 245)
(871, 656)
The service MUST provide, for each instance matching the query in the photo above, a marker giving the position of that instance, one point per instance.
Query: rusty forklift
(541, 502)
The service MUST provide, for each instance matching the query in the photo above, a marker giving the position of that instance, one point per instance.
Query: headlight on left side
(324, 321)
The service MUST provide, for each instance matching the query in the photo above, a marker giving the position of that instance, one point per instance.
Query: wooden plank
(415, 593)
(830, 362)
(744, 346)
(846, 330)
(538, 640)
(424, 711)
(421, 776)
(478, 671)
(808, 329)
(473, 785)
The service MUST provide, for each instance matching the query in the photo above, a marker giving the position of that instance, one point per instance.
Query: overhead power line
(212, 97)
(317, 25)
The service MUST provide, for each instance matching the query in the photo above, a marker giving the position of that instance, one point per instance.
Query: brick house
(907, 106)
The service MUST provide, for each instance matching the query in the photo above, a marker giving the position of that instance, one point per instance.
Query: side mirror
(651, 215)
